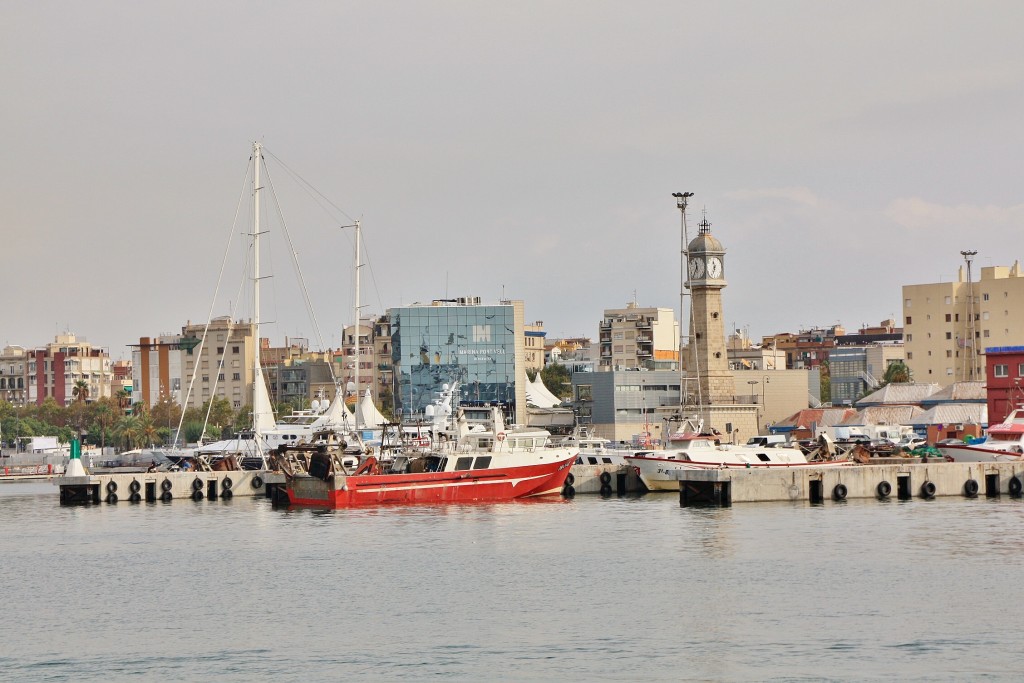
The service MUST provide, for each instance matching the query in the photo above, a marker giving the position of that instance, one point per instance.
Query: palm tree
(81, 390)
(897, 373)
(105, 417)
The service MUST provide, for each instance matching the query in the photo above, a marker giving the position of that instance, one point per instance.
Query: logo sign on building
(481, 334)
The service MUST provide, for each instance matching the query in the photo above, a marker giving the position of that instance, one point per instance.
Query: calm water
(589, 589)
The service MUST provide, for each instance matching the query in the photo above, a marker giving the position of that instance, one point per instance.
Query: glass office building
(479, 346)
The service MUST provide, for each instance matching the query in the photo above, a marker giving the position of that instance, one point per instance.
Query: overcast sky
(522, 150)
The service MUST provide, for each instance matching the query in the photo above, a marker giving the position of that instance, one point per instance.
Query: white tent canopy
(538, 395)
(368, 414)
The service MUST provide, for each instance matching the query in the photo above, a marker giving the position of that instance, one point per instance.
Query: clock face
(714, 267)
(696, 269)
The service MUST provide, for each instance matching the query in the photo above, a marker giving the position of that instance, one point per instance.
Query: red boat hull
(546, 478)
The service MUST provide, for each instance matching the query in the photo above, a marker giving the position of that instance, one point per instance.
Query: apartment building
(56, 369)
(636, 337)
(948, 325)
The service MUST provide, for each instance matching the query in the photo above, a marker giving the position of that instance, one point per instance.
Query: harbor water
(633, 588)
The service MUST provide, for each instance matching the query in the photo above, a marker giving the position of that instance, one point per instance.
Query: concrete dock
(136, 487)
(605, 479)
(905, 481)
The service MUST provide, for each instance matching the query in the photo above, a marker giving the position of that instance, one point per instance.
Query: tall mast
(968, 369)
(257, 371)
(358, 266)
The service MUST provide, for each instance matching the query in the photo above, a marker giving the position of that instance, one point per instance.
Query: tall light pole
(972, 359)
(682, 199)
(753, 399)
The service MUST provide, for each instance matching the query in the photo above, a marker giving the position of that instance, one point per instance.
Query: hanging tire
(606, 478)
(568, 491)
(197, 484)
(166, 496)
(111, 486)
(226, 494)
(111, 497)
(971, 488)
(1015, 486)
(839, 492)
(166, 486)
(226, 484)
(134, 497)
(197, 495)
(883, 489)
(570, 480)
(928, 489)
(606, 489)
(257, 482)
(134, 487)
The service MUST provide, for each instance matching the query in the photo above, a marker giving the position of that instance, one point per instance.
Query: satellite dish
(429, 411)
(444, 388)
(315, 405)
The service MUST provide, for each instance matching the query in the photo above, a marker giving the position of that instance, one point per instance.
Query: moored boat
(1002, 442)
(491, 465)
(692, 450)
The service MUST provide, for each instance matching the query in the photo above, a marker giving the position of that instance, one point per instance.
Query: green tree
(166, 414)
(104, 415)
(81, 391)
(557, 379)
(897, 373)
(825, 373)
(221, 413)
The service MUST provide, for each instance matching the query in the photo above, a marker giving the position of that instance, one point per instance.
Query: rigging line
(216, 292)
(373, 276)
(309, 186)
(298, 273)
(231, 329)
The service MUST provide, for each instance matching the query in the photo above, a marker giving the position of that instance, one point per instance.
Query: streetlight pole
(682, 198)
(753, 399)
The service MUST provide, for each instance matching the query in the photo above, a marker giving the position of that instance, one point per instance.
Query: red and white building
(55, 369)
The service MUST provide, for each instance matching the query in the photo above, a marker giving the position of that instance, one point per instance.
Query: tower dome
(704, 241)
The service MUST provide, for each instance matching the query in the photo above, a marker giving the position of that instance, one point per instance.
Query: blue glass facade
(437, 345)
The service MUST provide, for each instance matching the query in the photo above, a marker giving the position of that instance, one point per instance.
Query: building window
(949, 353)
(1000, 370)
(949, 371)
(910, 337)
(236, 376)
(220, 377)
(985, 332)
(906, 303)
(1020, 370)
(949, 300)
(908, 319)
(206, 378)
(910, 355)
(234, 349)
(220, 350)
(949, 317)
(984, 296)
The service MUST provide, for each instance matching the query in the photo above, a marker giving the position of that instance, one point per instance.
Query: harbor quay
(903, 481)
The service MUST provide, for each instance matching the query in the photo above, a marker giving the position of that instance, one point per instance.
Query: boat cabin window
(763, 457)
(606, 460)
(482, 462)
(592, 460)
(463, 464)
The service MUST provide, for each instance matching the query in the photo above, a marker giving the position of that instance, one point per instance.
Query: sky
(523, 150)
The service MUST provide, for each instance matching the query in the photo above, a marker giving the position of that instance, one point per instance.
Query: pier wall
(836, 484)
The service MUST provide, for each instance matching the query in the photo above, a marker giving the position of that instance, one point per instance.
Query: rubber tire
(226, 484)
(197, 484)
(839, 492)
(1015, 486)
(166, 485)
(166, 496)
(111, 497)
(226, 494)
(111, 486)
(971, 488)
(135, 486)
(197, 495)
(134, 497)
(606, 490)
(883, 489)
(928, 490)
(568, 492)
(606, 478)
(257, 482)
(570, 479)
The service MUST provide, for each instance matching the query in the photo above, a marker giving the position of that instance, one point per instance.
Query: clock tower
(706, 358)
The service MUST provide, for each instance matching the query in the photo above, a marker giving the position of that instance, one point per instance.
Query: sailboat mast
(257, 371)
(358, 266)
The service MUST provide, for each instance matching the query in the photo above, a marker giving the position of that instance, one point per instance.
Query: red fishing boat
(472, 465)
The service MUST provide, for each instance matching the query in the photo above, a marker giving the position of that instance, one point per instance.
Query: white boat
(1002, 442)
(693, 450)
